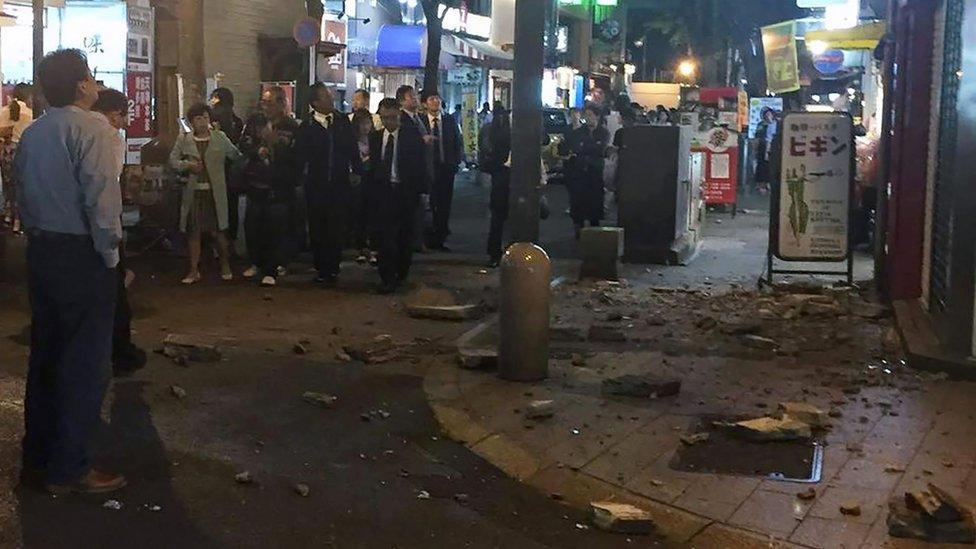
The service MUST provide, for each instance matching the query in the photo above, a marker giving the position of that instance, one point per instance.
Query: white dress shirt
(387, 135)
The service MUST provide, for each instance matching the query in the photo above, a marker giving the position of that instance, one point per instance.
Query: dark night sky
(741, 16)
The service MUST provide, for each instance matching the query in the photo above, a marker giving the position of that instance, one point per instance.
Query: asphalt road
(367, 478)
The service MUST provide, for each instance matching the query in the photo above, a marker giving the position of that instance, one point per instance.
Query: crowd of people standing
(346, 179)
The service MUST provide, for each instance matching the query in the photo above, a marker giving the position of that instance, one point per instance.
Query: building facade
(929, 255)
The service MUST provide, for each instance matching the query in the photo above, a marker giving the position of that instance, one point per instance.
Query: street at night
(487, 273)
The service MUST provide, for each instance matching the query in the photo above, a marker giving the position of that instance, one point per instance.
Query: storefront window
(97, 28)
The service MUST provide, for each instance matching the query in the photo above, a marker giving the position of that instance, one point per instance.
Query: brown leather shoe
(94, 482)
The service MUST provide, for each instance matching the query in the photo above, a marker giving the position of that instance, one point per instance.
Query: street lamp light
(687, 68)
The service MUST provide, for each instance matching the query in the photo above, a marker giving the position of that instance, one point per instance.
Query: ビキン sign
(812, 213)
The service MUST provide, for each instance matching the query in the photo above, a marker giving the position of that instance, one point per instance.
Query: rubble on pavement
(641, 386)
(540, 409)
(319, 399)
(183, 348)
(932, 515)
(807, 413)
(439, 304)
(621, 518)
(769, 429)
(477, 359)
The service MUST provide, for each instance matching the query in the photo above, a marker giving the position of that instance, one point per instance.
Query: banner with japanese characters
(779, 47)
(812, 203)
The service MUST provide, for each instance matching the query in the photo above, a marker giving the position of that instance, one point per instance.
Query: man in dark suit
(397, 178)
(327, 151)
(411, 121)
(445, 150)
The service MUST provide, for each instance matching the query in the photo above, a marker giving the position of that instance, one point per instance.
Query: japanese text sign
(139, 89)
(815, 187)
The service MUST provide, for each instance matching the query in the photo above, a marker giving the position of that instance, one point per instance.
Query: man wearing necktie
(327, 152)
(397, 178)
(446, 149)
(411, 121)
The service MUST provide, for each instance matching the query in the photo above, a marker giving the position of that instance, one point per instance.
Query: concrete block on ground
(444, 312)
(190, 348)
(600, 249)
(478, 359)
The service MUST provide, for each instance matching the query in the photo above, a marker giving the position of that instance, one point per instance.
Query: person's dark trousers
(327, 227)
(441, 196)
(498, 206)
(72, 297)
(396, 214)
(122, 327)
(265, 228)
(233, 214)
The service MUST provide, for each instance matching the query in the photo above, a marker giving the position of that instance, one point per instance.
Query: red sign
(139, 88)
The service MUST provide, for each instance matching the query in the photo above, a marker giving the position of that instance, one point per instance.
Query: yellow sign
(782, 69)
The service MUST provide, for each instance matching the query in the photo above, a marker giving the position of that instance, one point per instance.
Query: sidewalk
(892, 429)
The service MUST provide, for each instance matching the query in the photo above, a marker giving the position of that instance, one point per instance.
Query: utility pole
(523, 350)
(38, 38)
(530, 21)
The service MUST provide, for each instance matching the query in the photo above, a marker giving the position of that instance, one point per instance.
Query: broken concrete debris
(189, 348)
(691, 440)
(244, 478)
(112, 504)
(302, 489)
(300, 348)
(768, 429)
(641, 386)
(177, 391)
(319, 399)
(540, 409)
(758, 342)
(850, 509)
(455, 313)
(477, 359)
(807, 495)
(932, 515)
(807, 413)
(621, 518)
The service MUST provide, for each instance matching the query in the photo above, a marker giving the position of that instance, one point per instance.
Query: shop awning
(861, 37)
(489, 55)
(401, 46)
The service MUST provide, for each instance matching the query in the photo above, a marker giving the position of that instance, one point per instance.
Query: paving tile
(830, 534)
(665, 487)
(827, 505)
(721, 536)
(629, 458)
(770, 512)
(781, 487)
(862, 473)
(712, 509)
(722, 488)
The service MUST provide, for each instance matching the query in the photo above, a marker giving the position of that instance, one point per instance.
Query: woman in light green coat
(201, 156)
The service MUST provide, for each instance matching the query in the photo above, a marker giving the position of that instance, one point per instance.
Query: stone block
(621, 518)
(600, 252)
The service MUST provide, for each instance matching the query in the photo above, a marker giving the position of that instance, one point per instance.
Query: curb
(574, 488)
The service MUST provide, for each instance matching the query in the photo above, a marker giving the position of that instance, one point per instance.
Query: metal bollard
(523, 352)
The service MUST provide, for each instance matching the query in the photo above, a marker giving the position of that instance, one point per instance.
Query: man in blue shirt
(71, 205)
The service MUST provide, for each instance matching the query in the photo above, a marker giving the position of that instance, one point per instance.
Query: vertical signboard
(469, 123)
(139, 56)
(779, 47)
(811, 213)
(332, 69)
